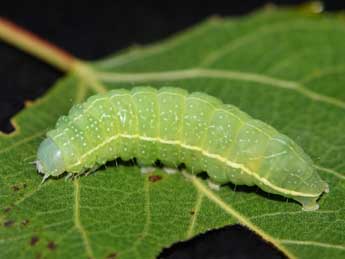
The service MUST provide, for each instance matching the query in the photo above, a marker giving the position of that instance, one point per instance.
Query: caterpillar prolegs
(174, 127)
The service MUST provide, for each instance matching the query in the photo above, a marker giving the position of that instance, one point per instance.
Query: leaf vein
(196, 210)
(77, 221)
(237, 215)
(217, 73)
(311, 243)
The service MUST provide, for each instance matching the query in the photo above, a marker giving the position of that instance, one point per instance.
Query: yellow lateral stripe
(202, 151)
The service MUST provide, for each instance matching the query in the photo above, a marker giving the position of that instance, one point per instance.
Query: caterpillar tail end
(310, 207)
(308, 203)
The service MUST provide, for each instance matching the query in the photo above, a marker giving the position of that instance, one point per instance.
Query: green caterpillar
(175, 127)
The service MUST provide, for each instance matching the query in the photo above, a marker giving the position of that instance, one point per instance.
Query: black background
(91, 30)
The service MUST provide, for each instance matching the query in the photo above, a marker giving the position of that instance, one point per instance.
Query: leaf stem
(40, 48)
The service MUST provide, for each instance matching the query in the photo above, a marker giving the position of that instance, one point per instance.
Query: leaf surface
(282, 67)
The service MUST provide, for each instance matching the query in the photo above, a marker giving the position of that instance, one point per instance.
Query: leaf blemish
(8, 209)
(192, 212)
(154, 178)
(111, 256)
(15, 188)
(34, 240)
(8, 223)
(51, 245)
(25, 222)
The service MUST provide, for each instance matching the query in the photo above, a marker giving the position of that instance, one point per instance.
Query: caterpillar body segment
(175, 127)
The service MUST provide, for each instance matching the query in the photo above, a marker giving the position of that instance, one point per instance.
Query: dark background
(90, 30)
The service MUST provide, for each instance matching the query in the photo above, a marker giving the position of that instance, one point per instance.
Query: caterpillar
(175, 127)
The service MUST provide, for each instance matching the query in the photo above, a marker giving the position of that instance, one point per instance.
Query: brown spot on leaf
(38, 256)
(154, 178)
(8, 209)
(25, 185)
(8, 223)
(192, 212)
(15, 188)
(34, 240)
(111, 256)
(25, 222)
(51, 245)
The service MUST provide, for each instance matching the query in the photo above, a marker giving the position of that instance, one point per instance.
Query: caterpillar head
(49, 159)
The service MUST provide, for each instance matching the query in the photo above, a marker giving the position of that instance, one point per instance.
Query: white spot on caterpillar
(148, 169)
(169, 170)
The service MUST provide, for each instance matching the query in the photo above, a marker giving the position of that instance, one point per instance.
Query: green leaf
(283, 67)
